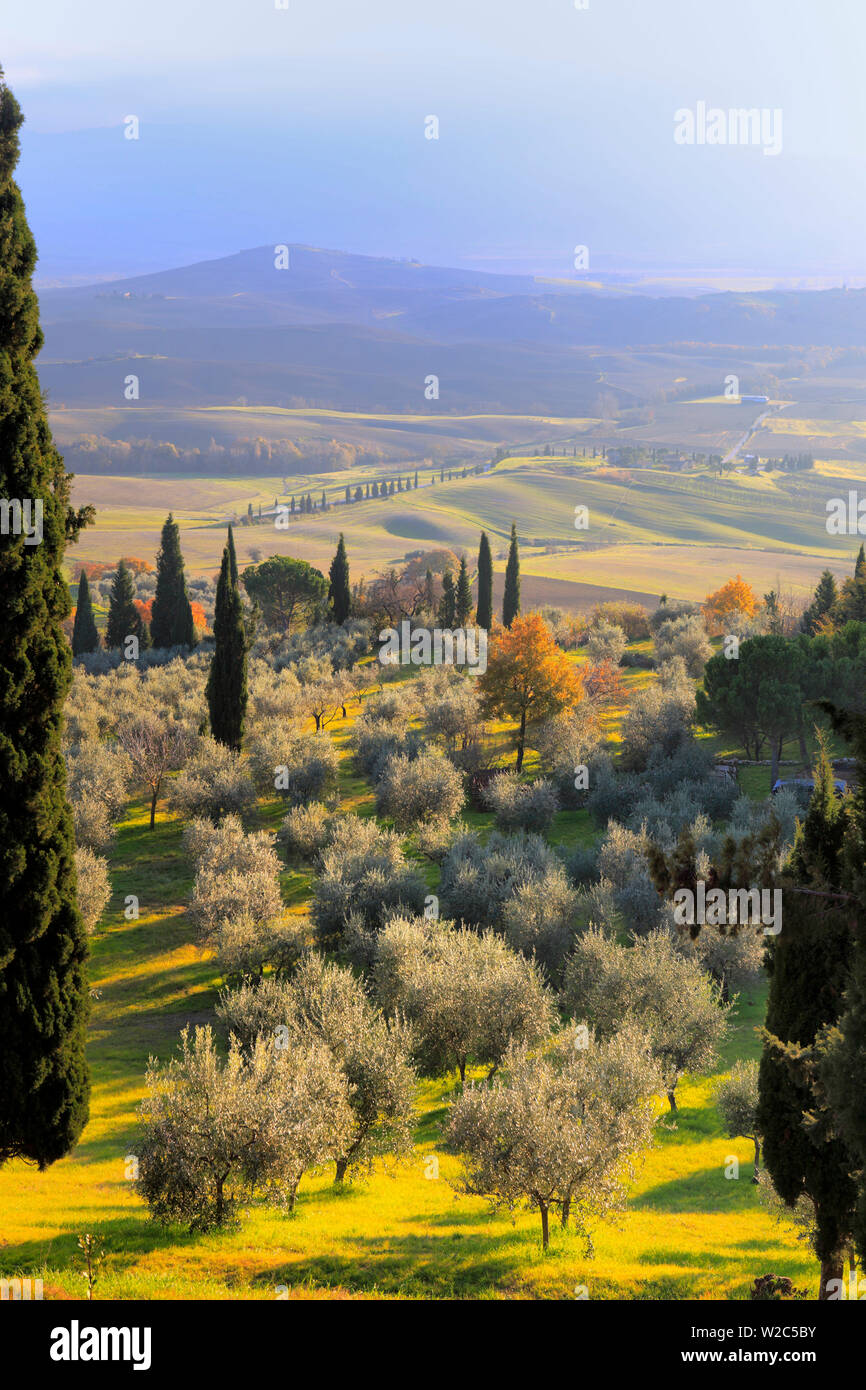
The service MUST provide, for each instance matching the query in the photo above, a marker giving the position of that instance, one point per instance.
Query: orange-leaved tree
(528, 677)
(734, 599)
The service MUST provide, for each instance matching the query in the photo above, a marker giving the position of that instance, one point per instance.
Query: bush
(419, 790)
(214, 783)
(93, 829)
(94, 886)
(518, 805)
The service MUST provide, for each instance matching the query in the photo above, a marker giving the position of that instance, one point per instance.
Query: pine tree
(227, 679)
(484, 611)
(339, 593)
(447, 604)
(85, 638)
(124, 619)
(171, 622)
(44, 1089)
(463, 597)
(809, 965)
(511, 596)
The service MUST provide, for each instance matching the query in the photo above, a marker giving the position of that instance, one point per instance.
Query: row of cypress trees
(171, 620)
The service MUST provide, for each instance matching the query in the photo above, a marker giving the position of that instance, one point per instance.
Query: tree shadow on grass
(707, 1190)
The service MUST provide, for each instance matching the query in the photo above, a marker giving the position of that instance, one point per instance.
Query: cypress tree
(809, 964)
(339, 593)
(511, 597)
(484, 611)
(124, 619)
(447, 604)
(429, 591)
(463, 597)
(44, 1089)
(860, 566)
(171, 622)
(227, 679)
(85, 638)
(233, 559)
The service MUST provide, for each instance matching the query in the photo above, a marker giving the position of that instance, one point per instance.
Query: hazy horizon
(556, 129)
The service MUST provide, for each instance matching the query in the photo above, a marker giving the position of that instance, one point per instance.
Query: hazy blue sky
(556, 128)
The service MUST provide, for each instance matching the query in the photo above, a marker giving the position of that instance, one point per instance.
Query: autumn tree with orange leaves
(528, 677)
(731, 601)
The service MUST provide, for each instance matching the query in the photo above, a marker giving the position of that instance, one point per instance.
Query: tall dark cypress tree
(124, 619)
(448, 601)
(809, 966)
(339, 593)
(511, 597)
(227, 679)
(463, 596)
(44, 1087)
(85, 638)
(860, 565)
(484, 611)
(171, 622)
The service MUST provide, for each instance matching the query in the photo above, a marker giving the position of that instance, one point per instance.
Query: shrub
(518, 805)
(244, 946)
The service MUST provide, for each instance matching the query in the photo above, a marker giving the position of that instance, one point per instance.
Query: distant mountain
(361, 333)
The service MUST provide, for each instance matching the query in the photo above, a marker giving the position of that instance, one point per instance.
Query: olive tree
(737, 1102)
(415, 791)
(365, 874)
(94, 886)
(668, 995)
(518, 805)
(215, 782)
(327, 1003)
(467, 996)
(560, 1129)
(605, 642)
(237, 874)
(215, 1130)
